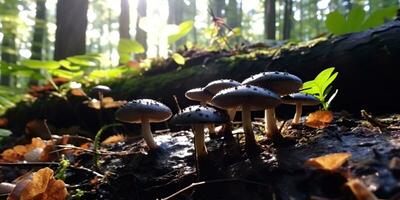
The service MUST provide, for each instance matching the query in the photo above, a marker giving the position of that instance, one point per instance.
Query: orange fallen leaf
(78, 92)
(319, 119)
(113, 139)
(40, 185)
(330, 162)
(360, 191)
(108, 102)
(18, 152)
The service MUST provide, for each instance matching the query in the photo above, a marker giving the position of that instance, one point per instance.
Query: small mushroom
(247, 98)
(144, 111)
(6, 188)
(300, 99)
(282, 83)
(197, 116)
(202, 96)
(101, 90)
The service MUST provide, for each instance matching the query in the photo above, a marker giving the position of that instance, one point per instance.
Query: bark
(124, 20)
(288, 19)
(141, 35)
(71, 28)
(269, 19)
(39, 30)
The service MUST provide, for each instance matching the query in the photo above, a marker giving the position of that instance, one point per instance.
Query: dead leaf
(18, 152)
(41, 185)
(330, 162)
(78, 92)
(113, 139)
(108, 102)
(319, 119)
(360, 191)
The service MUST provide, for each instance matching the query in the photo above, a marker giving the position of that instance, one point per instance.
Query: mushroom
(300, 99)
(6, 188)
(197, 116)
(144, 111)
(215, 86)
(281, 83)
(202, 96)
(100, 90)
(246, 98)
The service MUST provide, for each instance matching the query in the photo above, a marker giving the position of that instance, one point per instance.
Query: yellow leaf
(319, 119)
(360, 191)
(330, 162)
(113, 139)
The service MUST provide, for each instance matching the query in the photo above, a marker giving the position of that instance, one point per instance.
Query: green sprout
(62, 168)
(321, 87)
(96, 143)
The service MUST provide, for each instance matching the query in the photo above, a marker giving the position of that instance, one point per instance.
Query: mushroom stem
(231, 113)
(247, 127)
(210, 127)
(297, 116)
(6, 188)
(270, 123)
(200, 146)
(146, 134)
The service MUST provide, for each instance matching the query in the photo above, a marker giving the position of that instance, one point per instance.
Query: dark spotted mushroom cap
(215, 86)
(304, 99)
(198, 94)
(199, 115)
(253, 97)
(134, 111)
(101, 88)
(281, 83)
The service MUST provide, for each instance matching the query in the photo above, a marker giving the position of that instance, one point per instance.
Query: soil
(229, 172)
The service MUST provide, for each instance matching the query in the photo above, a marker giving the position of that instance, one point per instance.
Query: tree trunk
(141, 35)
(71, 28)
(39, 30)
(194, 13)
(8, 46)
(288, 19)
(269, 19)
(232, 14)
(124, 20)
(218, 6)
(175, 16)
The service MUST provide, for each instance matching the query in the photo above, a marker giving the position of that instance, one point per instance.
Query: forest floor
(128, 171)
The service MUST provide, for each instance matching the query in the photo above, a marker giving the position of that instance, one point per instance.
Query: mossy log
(367, 63)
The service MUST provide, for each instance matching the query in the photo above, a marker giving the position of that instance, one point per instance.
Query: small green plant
(96, 142)
(4, 133)
(321, 87)
(62, 168)
(357, 20)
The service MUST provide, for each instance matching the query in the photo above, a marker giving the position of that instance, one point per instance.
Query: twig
(107, 153)
(46, 164)
(49, 132)
(196, 184)
(177, 103)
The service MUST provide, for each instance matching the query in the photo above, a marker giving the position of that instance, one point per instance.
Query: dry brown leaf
(18, 152)
(360, 191)
(41, 185)
(113, 139)
(330, 162)
(78, 92)
(319, 119)
(108, 102)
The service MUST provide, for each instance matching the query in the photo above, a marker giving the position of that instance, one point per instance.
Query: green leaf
(66, 74)
(84, 61)
(355, 19)
(325, 84)
(336, 23)
(379, 16)
(130, 46)
(184, 28)
(38, 64)
(178, 58)
(323, 76)
(5, 133)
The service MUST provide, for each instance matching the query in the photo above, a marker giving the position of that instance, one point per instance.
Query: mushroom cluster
(219, 100)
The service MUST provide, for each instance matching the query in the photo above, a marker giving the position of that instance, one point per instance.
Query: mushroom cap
(198, 114)
(136, 110)
(215, 86)
(252, 97)
(101, 88)
(198, 94)
(281, 83)
(304, 99)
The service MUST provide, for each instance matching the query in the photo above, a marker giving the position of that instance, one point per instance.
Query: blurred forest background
(90, 40)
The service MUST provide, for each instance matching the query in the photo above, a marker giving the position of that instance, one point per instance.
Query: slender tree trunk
(39, 30)
(71, 28)
(124, 20)
(269, 19)
(288, 19)
(175, 16)
(232, 13)
(194, 13)
(141, 35)
(217, 6)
